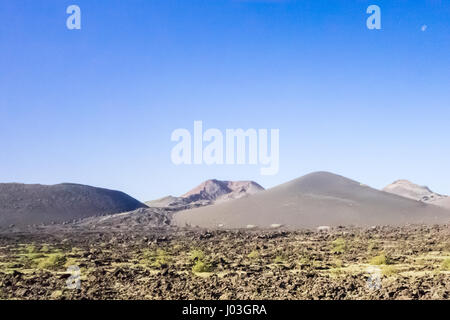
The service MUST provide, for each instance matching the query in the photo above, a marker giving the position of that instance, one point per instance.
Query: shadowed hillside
(25, 204)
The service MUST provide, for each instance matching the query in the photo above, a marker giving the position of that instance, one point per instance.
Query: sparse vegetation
(157, 259)
(339, 246)
(446, 264)
(70, 262)
(381, 259)
(30, 249)
(338, 263)
(52, 261)
(196, 255)
(200, 261)
(305, 261)
(389, 270)
(279, 260)
(254, 255)
(201, 266)
(30, 257)
(295, 265)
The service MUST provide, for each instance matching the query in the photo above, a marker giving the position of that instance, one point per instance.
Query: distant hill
(411, 190)
(217, 190)
(26, 204)
(208, 192)
(313, 200)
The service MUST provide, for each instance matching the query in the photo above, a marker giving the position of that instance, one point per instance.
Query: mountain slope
(217, 190)
(442, 202)
(169, 201)
(316, 199)
(207, 193)
(25, 204)
(410, 190)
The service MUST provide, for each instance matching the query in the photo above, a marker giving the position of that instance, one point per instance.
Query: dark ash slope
(26, 204)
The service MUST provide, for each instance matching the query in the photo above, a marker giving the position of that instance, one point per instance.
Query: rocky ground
(344, 263)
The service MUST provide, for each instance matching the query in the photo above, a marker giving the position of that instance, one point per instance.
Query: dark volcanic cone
(26, 204)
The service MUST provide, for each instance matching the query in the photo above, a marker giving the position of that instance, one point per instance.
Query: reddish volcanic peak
(221, 190)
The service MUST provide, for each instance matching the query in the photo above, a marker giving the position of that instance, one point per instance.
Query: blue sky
(98, 105)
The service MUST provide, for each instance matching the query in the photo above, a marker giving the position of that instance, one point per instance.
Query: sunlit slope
(313, 200)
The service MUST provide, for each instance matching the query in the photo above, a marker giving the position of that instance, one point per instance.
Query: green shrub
(201, 266)
(380, 259)
(196, 255)
(161, 260)
(339, 245)
(31, 248)
(30, 256)
(446, 264)
(389, 270)
(201, 263)
(338, 263)
(253, 255)
(156, 259)
(304, 261)
(34, 256)
(279, 260)
(53, 261)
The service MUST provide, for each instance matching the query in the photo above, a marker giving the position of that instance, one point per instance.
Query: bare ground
(346, 263)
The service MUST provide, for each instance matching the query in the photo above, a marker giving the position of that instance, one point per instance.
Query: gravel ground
(344, 263)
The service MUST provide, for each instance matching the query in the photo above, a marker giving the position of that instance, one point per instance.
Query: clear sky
(97, 106)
